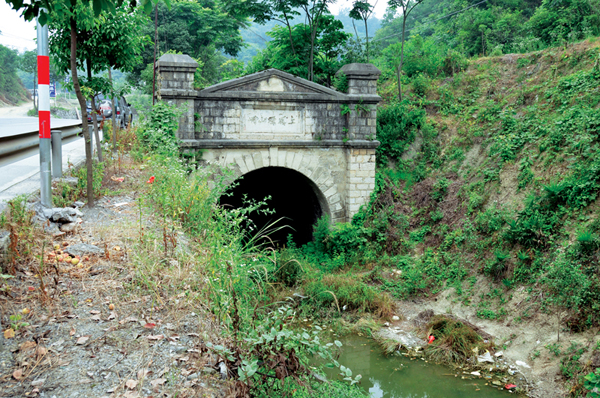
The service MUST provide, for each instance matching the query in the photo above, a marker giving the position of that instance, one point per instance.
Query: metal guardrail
(18, 143)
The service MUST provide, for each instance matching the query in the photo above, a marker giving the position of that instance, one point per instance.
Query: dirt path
(16, 111)
(97, 332)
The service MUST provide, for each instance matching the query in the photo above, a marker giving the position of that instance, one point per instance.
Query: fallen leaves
(9, 333)
(18, 374)
(142, 373)
(157, 382)
(131, 384)
(83, 339)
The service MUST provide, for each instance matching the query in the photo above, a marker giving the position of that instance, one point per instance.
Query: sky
(380, 6)
(17, 33)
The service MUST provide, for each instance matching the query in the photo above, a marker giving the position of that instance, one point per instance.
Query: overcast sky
(15, 32)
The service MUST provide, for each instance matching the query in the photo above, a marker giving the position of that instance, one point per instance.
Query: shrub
(346, 290)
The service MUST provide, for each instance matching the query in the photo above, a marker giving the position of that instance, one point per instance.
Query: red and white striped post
(43, 61)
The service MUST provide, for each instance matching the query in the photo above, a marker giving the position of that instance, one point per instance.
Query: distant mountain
(256, 37)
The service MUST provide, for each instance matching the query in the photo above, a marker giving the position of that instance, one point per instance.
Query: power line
(11, 36)
(435, 20)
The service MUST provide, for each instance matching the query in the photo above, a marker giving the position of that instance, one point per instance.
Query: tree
(45, 10)
(107, 41)
(314, 10)
(203, 29)
(282, 11)
(28, 63)
(329, 45)
(406, 6)
(362, 10)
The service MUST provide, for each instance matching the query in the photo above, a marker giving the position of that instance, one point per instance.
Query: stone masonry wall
(274, 119)
(360, 178)
(277, 120)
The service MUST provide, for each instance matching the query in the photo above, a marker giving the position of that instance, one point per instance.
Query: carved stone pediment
(271, 82)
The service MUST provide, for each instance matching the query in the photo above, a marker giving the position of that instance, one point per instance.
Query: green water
(397, 376)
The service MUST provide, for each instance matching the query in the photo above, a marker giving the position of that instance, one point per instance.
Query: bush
(347, 291)
(158, 132)
(421, 85)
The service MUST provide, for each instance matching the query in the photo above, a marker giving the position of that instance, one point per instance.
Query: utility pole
(155, 45)
(43, 62)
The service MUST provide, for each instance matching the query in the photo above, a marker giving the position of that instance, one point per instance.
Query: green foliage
(420, 85)
(205, 30)
(346, 291)
(440, 188)
(592, 383)
(11, 88)
(158, 132)
(397, 125)
(290, 49)
(454, 341)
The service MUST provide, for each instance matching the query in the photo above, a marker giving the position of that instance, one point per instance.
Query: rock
(53, 229)
(486, 357)
(70, 227)
(208, 370)
(58, 214)
(81, 249)
(4, 242)
(78, 204)
(395, 318)
(38, 382)
(193, 376)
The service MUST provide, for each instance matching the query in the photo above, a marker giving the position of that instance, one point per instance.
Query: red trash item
(150, 180)
(431, 338)
(510, 386)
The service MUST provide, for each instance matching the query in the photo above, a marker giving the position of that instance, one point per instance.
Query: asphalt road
(19, 125)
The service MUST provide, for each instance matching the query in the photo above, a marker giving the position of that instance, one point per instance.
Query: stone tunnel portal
(294, 198)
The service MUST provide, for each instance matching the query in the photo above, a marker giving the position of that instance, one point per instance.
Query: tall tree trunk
(86, 131)
(357, 37)
(94, 118)
(287, 23)
(367, 36)
(311, 59)
(399, 71)
(114, 114)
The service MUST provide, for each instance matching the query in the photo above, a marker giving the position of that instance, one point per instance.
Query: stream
(397, 376)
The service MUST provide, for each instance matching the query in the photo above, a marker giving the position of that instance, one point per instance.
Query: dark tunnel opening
(293, 197)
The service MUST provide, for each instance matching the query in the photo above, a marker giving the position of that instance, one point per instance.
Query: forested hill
(256, 36)
(12, 90)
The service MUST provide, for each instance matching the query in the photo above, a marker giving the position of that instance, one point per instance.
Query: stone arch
(306, 162)
(296, 201)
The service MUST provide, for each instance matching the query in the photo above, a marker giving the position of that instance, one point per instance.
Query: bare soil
(94, 333)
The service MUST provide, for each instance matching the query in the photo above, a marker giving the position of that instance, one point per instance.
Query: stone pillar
(175, 84)
(362, 78)
(360, 177)
(362, 90)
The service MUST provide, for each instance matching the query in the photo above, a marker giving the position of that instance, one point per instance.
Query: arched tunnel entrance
(293, 196)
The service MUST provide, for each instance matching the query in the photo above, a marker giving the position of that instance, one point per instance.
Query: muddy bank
(526, 346)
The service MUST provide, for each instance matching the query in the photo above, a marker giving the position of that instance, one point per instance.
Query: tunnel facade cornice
(275, 119)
